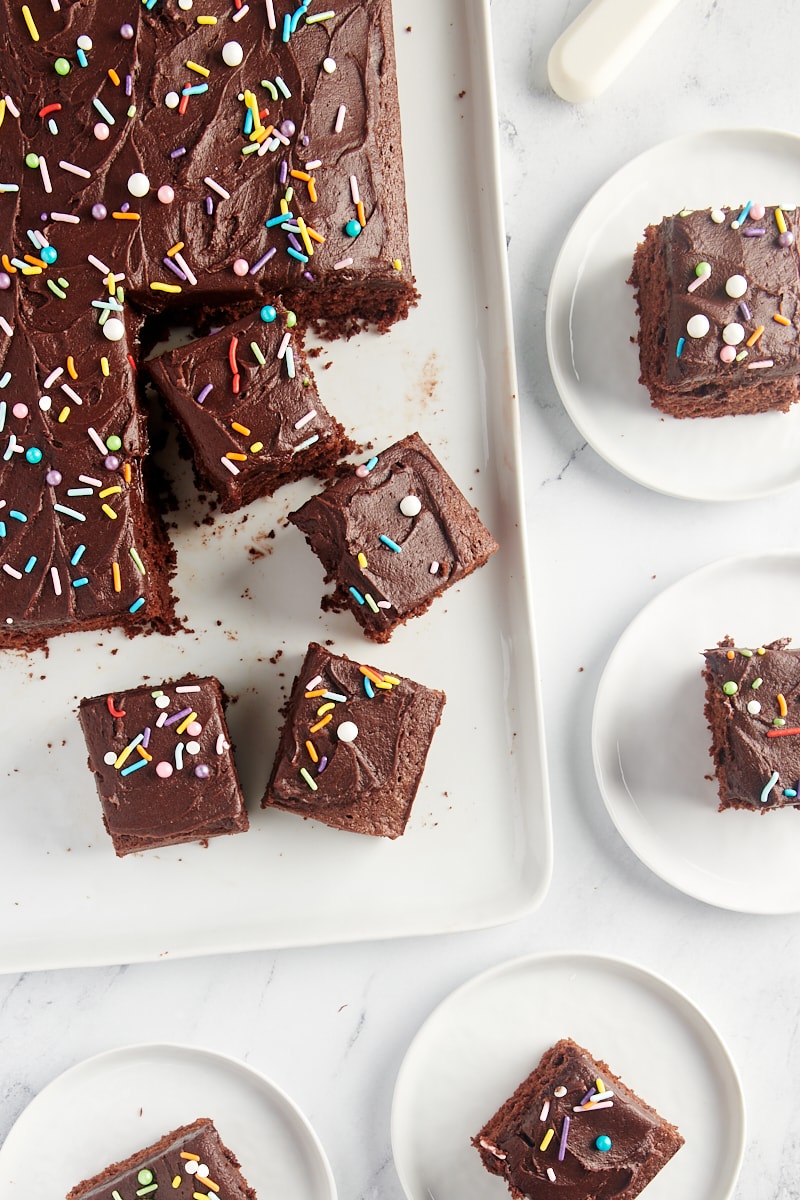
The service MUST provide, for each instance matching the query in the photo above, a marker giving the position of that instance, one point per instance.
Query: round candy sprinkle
(702, 268)
(20, 410)
(241, 267)
(5, 281)
(48, 254)
(192, 747)
(126, 31)
(33, 454)
(185, 5)
(560, 1091)
(163, 770)
(111, 462)
(172, 99)
(191, 1167)
(202, 771)
(44, 403)
(347, 731)
(85, 42)
(603, 1143)
(717, 216)
(736, 286)
(288, 127)
(110, 758)
(99, 212)
(162, 701)
(194, 730)
(114, 330)
(753, 707)
(138, 184)
(113, 442)
(733, 334)
(32, 160)
(145, 1176)
(165, 194)
(730, 688)
(697, 326)
(101, 131)
(786, 239)
(61, 66)
(53, 478)
(352, 228)
(268, 313)
(291, 319)
(410, 506)
(232, 54)
(727, 354)
(757, 212)
(329, 65)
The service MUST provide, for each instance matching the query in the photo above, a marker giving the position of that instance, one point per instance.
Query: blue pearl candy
(33, 454)
(268, 313)
(48, 254)
(352, 228)
(603, 1143)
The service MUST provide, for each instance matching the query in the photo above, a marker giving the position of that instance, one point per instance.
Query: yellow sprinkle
(300, 175)
(206, 20)
(782, 704)
(546, 1140)
(598, 1083)
(362, 220)
(754, 336)
(781, 319)
(312, 752)
(116, 577)
(236, 457)
(240, 428)
(111, 284)
(62, 416)
(391, 679)
(31, 270)
(252, 103)
(35, 262)
(126, 472)
(108, 510)
(32, 30)
(7, 267)
(301, 225)
(284, 206)
(113, 76)
(260, 135)
(122, 756)
(147, 757)
(193, 66)
(362, 560)
(312, 191)
(383, 684)
(110, 491)
(104, 365)
(780, 220)
(312, 695)
(186, 722)
(256, 446)
(71, 367)
(2, 111)
(125, 216)
(319, 725)
(176, 249)
(176, 1183)
(323, 708)
(397, 264)
(166, 287)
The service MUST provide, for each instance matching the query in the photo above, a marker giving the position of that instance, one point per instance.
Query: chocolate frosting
(368, 784)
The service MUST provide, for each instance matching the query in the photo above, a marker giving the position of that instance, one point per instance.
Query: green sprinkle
(746, 653)
(778, 722)
(257, 355)
(251, 149)
(756, 683)
(703, 268)
(113, 442)
(730, 688)
(131, 111)
(32, 160)
(145, 1175)
(291, 319)
(61, 66)
(56, 290)
(311, 783)
(134, 553)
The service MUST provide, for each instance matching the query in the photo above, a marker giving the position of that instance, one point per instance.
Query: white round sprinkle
(85, 42)
(138, 184)
(717, 216)
(162, 701)
(232, 54)
(191, 1167)
(736, 286)
(192, 747)
(110, 758)
(560, 1091)
(101, 131)
(698, 325)
(329, 65)
(733, 334)
(202, 1169)
(753, 707)
(185, 5)
(44, 403)
(410, 506)
(114, 330)
(347, 731)
(172, 99)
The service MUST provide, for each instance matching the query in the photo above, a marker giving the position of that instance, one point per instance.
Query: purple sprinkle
(284, 172)
(264, 259)
(753, 231)
(178, 152)
(111, 462)
(287, 127)
(125, 206)
(307, 275)
(323, 762)
(562, 1146)
(588, 1096)
(745, 311)
(146, 737)
(5, 281)
(209, 206)
(305, 139)
(786, 239)
(202, 771)
(294, 242)
(128, 85)
(201, 397)
(126, 31)
(167, 261)
(53, 478)
(43, 219)
(177, 716)
(99, 212)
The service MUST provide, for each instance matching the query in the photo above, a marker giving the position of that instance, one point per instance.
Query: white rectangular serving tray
(478, 848)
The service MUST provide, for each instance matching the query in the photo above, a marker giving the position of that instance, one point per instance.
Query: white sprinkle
(271, 14)
(276, 133)
(56, 580)
(304, 420)
(308, 442)
(48, 187)
(340, 115)
(384, 604)
(551, 1175)
(90, 480)
(161, 719)
(764, 362)
(545, 1110)
(312, 166)
(10, 571)
(215, 187)
(98, 441)
(66, 166)
(312, 683)
(101, 266)
(434, 568)
(604, 1095)
(11, 106)
(68, 217)
(188, 687)
(287, 337)
(342, 263)
(231, 466)
(238, 15)
(180, 261)
(4, 325)
(222, 744)
(73, 395)
(54, 4)
(354, 189)
(290, 362)
(53, 376)
(179, 756)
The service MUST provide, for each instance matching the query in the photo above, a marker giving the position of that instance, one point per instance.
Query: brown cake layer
(190, 1158)
(752, 706)
(353, 745)
(162, 762)
(555, 1137)
(724, 341)
(388, 564)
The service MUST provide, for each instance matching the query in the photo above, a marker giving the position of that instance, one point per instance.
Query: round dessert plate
(482, 1041)
(591, 319)
(108, 1107)
(650, 737)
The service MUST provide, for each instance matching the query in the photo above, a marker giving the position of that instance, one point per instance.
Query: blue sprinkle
(790, 792)
(335, 696)
(137, 604)
(18, 516)
(768, 787)
(296, 254)
(279, 220)
(81, 57)
(248, 123)
(137, 766)
(30, 564)
(195, 90)
(357, 596)
(101, 108)
(368, 688)
(287, 27)
(76, 558)
(372, 464)
(80, 582)
(387, 541)
(2, 529)
(6, 379)
(679, 347)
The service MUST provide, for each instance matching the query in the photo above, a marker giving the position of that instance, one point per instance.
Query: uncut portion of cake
(393, 535)
(245, 400)
(752, 706)
(353, 746)
(162, 762)
(190, 1158)
(718, 297)
(574, 1130)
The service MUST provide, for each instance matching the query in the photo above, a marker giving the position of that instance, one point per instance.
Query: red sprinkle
(115, 712)
(232, 355)
(49, 108)
(184, 104)
(235, 387)
(782, 732)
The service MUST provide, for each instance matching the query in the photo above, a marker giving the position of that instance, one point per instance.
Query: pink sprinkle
(287, 337)
(56, 580)
(764, 362)
(363, 471)
(231, 466)
(545, 1111)
(163, 770)
(340, 115)
(342, 263)
(727, 354)
(20, 410)
(194, 729)
(222, 744)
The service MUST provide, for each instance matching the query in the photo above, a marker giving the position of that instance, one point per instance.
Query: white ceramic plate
(108, 1107)
(650, 738)
(486, 1037)
(591, 319)
(478, 848)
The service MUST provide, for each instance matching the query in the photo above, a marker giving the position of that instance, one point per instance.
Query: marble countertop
(331, 1025)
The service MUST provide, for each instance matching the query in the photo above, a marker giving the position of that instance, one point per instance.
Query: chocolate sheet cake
(190, 1161)
(752, 706)
(353, 745)
(162, 761)
(574, 1130)
(393, 535)
(156, 160)
(718, 297)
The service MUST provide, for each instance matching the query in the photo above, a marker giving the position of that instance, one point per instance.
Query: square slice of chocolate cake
(752, 706)
(393, 535)
(162, 762)
(246, 402)
(190, 1161)
(573, 1128)
(718, 297)
(354, 745)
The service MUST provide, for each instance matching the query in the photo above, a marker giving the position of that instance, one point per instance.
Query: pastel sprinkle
(764, 797)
